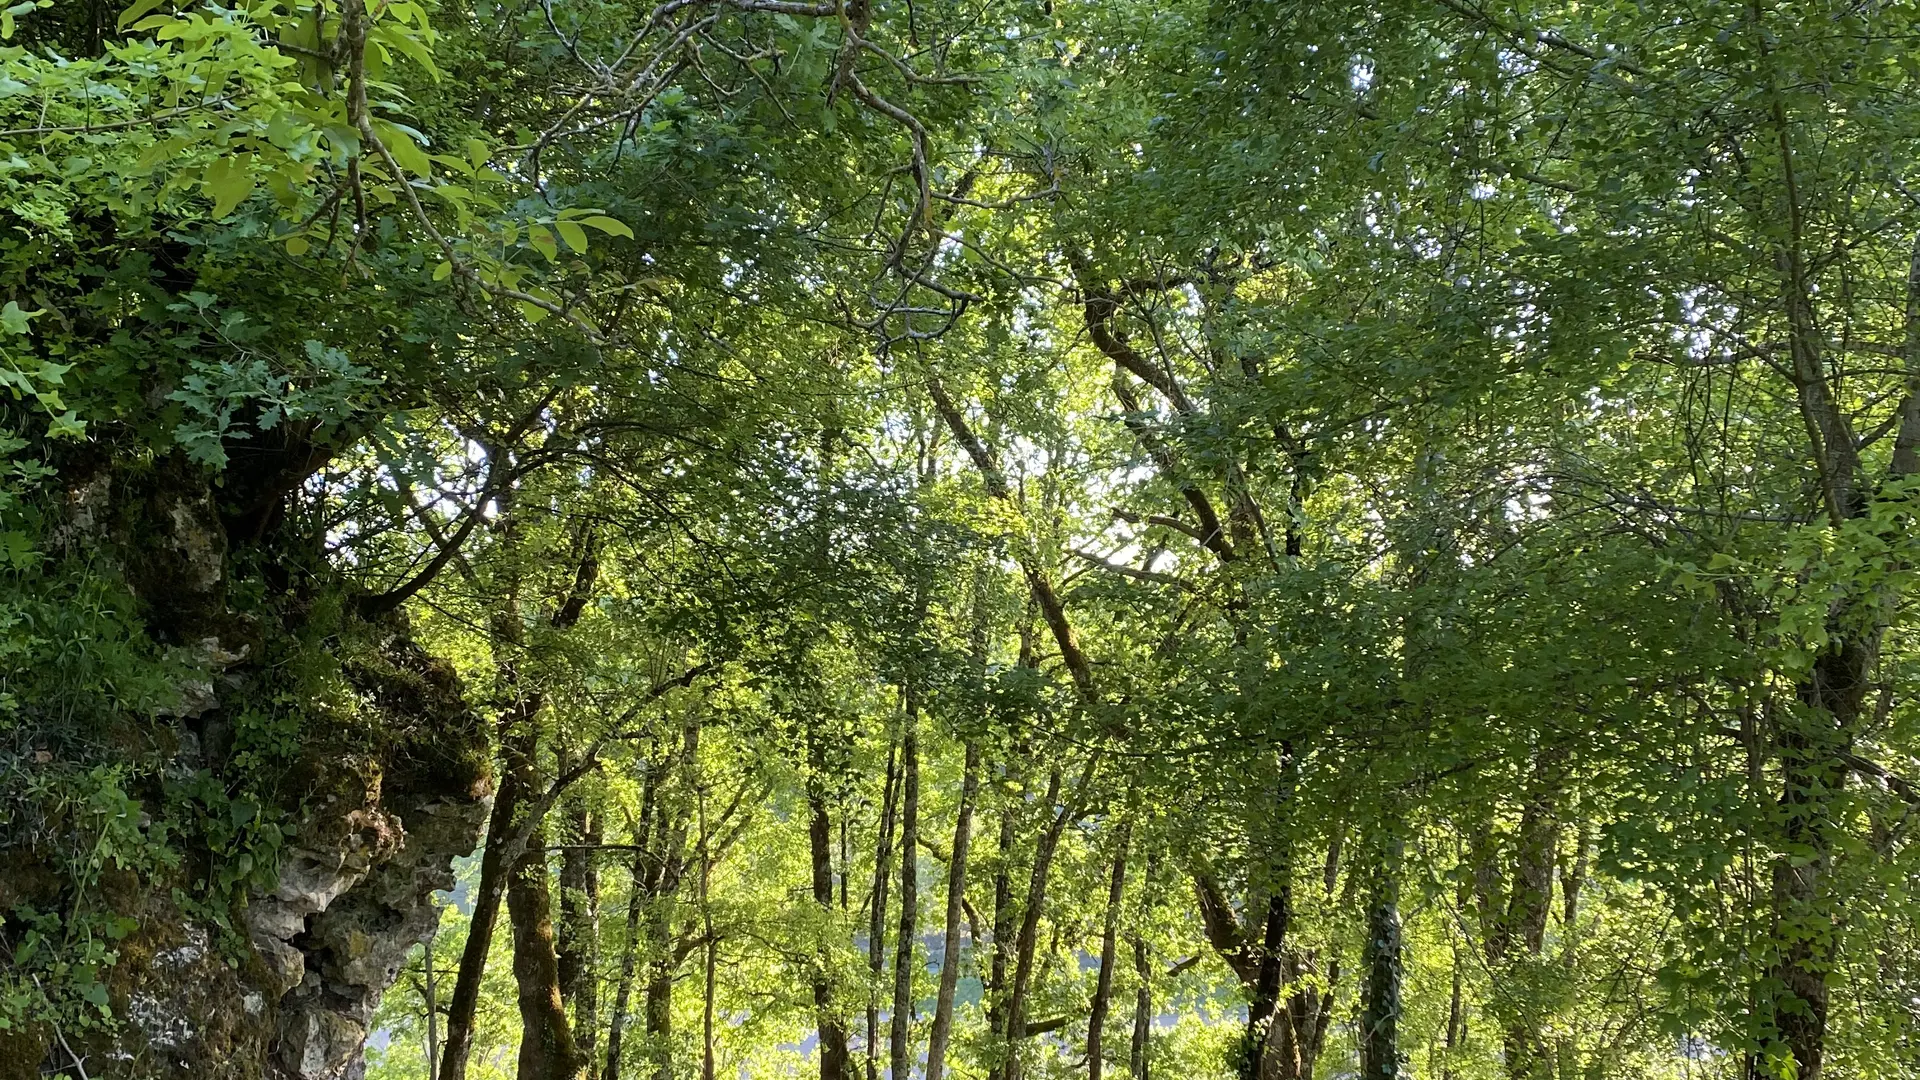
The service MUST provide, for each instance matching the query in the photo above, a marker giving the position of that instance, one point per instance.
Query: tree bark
(900, 1043)
(1813, 775)
(487, 894)
(670, 863)
(580, 927)
(547, 1049)
(956, 901)
(1109, 942)
(710, 944)
(832, 1029)
(433, 1001)
(1138, 1061)
(659, 1001)
(639, 891)
(1003, 930)
(1024, 949)
(629, 966)
(511, 803)
(1523, 924)
(1380, 1009)
(877, 910)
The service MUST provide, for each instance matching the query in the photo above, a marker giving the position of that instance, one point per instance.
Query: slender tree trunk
(638, 893)
(433, 1002)
(1138, 1062)
(580, 927)
(1109, 941)
(1813, 772)
(1264, 1017)
(956, 902)
(547, 1049)
(669, 868)
(1813, 776)
(833, 1029)
(629, 961)
(1299, 1029)
(1380, 1009)
(1269, 1029)
(1456, 1018)
(659, 1002)
(514, 861)
(1003, 930)
(900, 1036)
(1528, 906)
(877, 911)
(490, 890)
(1023, 961)
(709, 943)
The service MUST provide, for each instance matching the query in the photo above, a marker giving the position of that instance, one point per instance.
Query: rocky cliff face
(282, 982)
(353, 896)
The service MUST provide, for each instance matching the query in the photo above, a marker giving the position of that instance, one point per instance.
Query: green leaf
(139, 8)
(573, 234)
(608, 225)
(405, 151)
(13, 320)
(542, 240)
(228, 182)
(407, 45)
(67, 425)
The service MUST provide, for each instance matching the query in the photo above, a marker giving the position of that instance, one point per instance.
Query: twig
(59, 1035)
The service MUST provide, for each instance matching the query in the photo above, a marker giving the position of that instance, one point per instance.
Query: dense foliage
(1009, 538)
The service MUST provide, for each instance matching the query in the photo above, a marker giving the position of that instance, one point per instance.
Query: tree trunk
(956, 902)
(669, 867)
(638, 893)
(710, 945)
(508, 802)
(1456, 1018)
(629, 960)
(877, 911)
(1023, 960)
(1138, 1063)
(1262, 1015)
(1268, 1028)
(1003, 929)
(1109, 941)
(1380, 1008)
(1524, 923)
(900, 1036)
(433, 1001)
(1813, 774)
(833, 1029)
(659, 1003)
(580, 927)
(547, 1049)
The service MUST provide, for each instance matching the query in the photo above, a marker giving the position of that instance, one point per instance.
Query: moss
(22, 1049)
